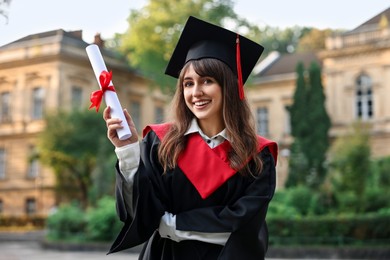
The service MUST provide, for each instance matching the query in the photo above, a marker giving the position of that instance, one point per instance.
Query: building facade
(47, 72)
(356, 79)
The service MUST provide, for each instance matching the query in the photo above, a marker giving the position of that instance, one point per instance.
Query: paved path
(32, 251)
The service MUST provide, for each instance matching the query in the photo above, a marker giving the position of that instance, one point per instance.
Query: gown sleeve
(128, 162)
(148, 198)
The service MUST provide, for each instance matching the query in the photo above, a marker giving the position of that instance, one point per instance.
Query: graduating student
(199, 186)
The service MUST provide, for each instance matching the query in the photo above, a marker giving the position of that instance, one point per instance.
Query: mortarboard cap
(201, 39)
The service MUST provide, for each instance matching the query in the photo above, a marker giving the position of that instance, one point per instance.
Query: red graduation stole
(207, 168)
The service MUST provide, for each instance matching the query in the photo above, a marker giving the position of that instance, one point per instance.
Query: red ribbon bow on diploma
(96, 96)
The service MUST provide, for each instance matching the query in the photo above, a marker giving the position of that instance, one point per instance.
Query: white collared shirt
(213, 141)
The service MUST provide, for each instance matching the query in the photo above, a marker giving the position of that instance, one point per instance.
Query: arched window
(364, 102)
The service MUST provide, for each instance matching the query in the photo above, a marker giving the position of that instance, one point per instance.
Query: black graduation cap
(201, 39)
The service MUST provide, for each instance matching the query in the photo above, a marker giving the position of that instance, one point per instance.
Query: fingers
(113, 124)
(107, 113)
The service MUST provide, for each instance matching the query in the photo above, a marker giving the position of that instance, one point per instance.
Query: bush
(103, 223)
(300, 198)
(67, 223)
(368, 229)
(376, 199)
(71, 223)
(348, 202)
(280, 207)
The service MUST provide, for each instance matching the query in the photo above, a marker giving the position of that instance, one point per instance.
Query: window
(135, 112)
(2, 164)
(31, 206)
(262, 121)
(37, 103)
(158, 115)
(5, 114)
(77, 97)
(33, 168)
(364, 102)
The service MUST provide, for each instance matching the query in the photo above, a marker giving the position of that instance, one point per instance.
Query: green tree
(103, 176)
(281, 40)
(154, 30)
(316, 142)
(313, 40)
(70, 144)
(350, 165)
(310, 125)
(298, 166)
(298, 110)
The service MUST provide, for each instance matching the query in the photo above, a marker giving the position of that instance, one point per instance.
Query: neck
(211, 128)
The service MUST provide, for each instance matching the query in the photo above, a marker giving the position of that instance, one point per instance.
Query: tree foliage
(310, 125)
(70, 144)
(154, 31)
(298, 110)
(298, 166)
(282, 40)
(350, 160)
(317, 140)
(313, 40)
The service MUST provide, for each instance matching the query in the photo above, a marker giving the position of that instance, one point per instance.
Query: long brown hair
(237, 116)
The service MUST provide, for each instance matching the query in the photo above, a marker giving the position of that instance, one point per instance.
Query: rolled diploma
(110, 97)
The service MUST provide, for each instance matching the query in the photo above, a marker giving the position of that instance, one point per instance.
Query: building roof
(76, 36)
(373, 22)
(71, 34)
(68, 38)
(286, 63)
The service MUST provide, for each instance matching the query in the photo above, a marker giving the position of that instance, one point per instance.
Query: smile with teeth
(201, 103)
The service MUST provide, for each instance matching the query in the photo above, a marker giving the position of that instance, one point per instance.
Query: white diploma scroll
(110, 97)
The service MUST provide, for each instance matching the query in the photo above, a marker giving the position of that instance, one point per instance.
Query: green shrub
(300, 198)
(276, 209)
(67, 223)
(332, 230)
(103, 223)
(376, 199)
(348, 202)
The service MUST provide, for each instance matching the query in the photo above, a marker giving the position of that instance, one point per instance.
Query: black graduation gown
(238, 206)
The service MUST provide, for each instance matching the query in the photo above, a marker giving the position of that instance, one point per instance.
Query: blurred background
(320, 90)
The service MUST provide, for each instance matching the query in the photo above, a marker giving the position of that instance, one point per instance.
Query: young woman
(198, 187)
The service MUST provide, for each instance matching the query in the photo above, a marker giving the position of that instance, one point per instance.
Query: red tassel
(239, 71)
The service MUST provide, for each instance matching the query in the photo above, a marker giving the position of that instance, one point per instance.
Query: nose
(197, 90)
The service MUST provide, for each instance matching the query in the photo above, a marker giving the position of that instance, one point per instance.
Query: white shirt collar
(194, 127)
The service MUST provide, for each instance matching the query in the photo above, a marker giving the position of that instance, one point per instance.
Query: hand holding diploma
(107, 91)
(113, 124)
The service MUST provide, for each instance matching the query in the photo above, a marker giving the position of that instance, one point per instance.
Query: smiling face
(203, 96)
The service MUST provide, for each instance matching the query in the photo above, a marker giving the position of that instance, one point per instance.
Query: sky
(26, 17)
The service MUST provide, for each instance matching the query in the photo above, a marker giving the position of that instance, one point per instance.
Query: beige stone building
(46, 72)
(356, 80)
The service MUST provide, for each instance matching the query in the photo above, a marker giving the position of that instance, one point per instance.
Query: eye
(208, 81)
(187, 83)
